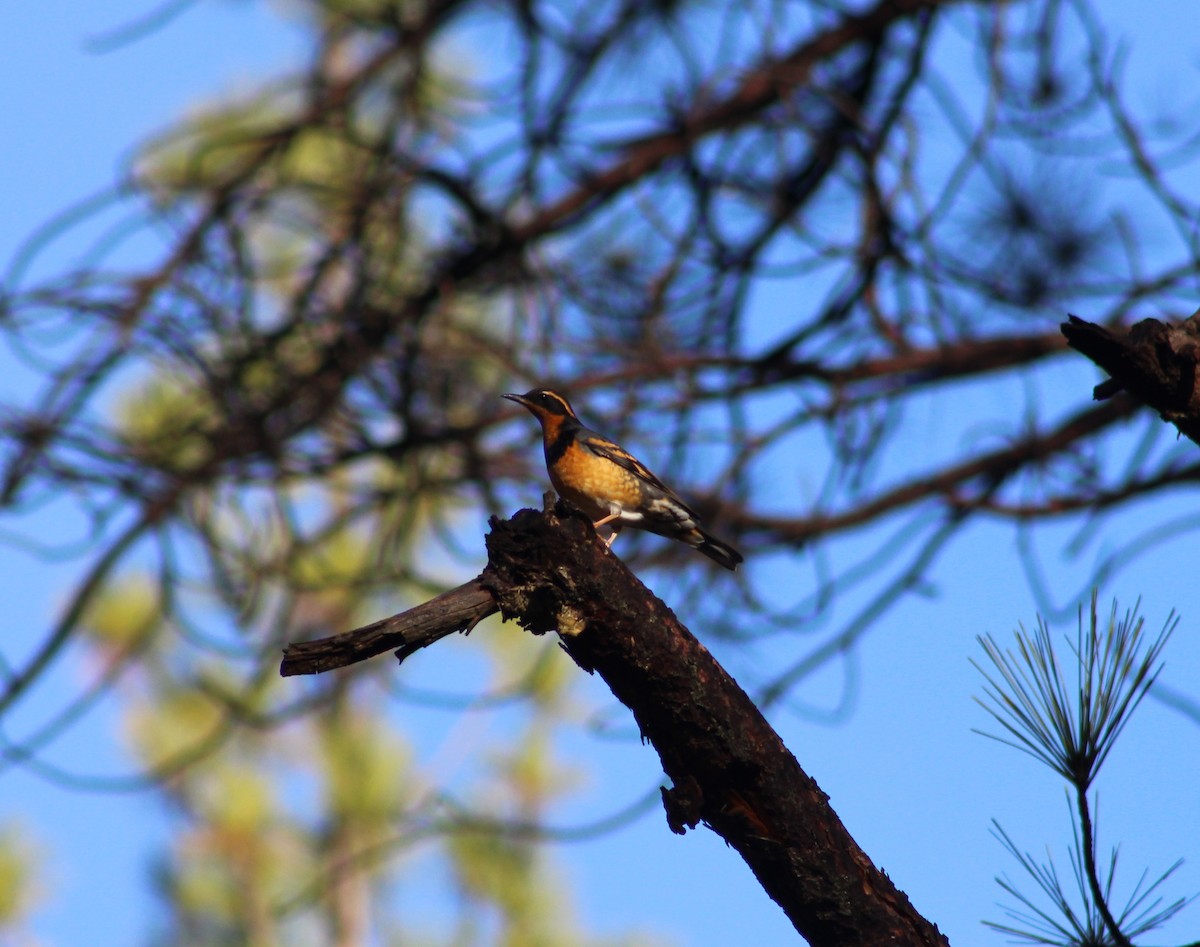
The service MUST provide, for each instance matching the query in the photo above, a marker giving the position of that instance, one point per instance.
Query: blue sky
(911, 781)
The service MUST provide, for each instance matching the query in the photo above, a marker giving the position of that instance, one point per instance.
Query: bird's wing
(620, 456)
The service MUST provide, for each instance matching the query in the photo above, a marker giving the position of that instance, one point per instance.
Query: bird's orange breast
(594, 483)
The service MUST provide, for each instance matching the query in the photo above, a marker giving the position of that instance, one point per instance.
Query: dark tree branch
(728, 767)
(762, 87)
(1155, 362)
(460, 609)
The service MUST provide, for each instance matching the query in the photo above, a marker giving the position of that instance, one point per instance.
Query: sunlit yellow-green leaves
(166, 423)
(123, 613)
(494, 868)
(17, 889)
(538, 664)
(232, 879)
(532, 771)
(176, 725)
(365, 768)
(237, 799)
(337, 561)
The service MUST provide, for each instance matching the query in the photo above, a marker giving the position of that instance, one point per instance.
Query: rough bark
(727, 766)
(1154, 361)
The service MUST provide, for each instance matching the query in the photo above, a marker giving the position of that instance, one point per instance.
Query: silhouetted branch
(1155, 362)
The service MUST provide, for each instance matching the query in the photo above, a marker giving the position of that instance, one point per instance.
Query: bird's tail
(717, 551)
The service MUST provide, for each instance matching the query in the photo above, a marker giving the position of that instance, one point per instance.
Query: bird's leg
(614, 515)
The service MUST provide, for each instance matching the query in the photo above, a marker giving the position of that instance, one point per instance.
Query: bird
(609, 484)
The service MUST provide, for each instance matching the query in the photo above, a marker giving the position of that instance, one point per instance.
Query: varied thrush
(611, 485)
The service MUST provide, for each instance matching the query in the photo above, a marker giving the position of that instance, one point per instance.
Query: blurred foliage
(778, 249)
(18, 879)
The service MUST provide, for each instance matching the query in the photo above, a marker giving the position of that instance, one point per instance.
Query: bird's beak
(519, 399)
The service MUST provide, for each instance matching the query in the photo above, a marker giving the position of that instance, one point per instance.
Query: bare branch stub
(728, 767)
(1155, 362)
(460, 609)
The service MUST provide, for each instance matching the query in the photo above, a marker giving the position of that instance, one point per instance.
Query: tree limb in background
(1154, 361)
(728, 767)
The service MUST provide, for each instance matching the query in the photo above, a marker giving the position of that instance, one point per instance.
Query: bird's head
(549, 407)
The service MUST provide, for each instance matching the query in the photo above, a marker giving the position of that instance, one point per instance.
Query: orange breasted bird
(611, 485)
